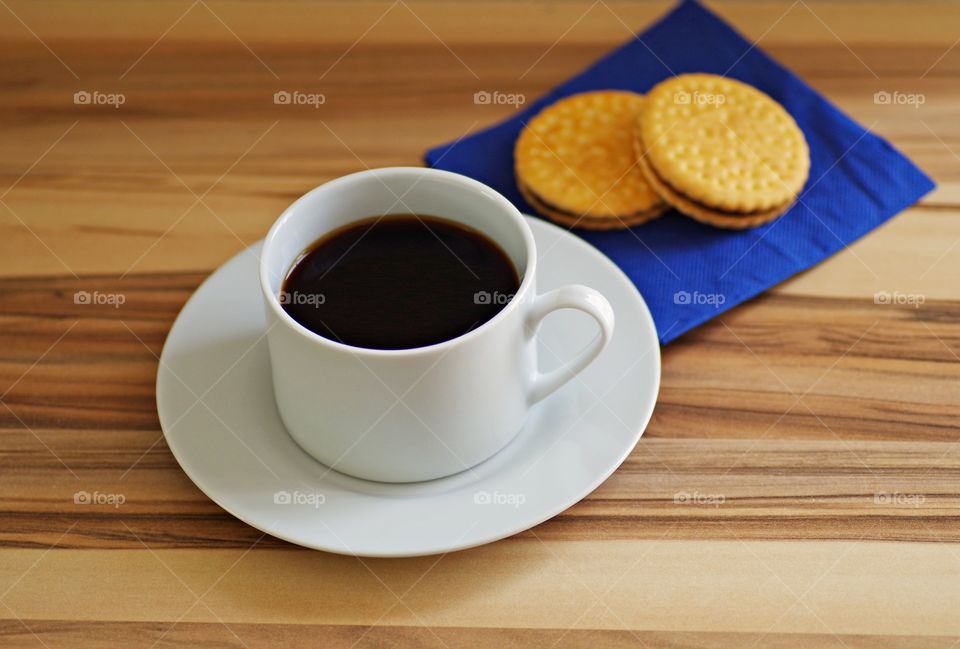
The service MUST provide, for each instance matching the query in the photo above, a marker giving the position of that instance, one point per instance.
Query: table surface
(827, 424)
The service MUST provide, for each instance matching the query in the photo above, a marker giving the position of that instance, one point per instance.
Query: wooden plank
(681, 489)
(490, 22)
(787, 587)
(28, 634)
(676, 489)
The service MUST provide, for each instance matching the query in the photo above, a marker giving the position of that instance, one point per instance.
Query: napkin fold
(687, 272)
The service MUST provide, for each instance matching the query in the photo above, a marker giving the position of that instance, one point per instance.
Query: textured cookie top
(723, 143)
(578, 155)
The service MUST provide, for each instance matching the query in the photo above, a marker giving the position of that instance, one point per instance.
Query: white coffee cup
(414, 414)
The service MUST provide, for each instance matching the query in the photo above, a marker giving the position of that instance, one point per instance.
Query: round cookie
(577, 157)
(590, 222)
(723, 144)
(699, 212)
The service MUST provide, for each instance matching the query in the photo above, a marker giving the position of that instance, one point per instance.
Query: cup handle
(583, 299)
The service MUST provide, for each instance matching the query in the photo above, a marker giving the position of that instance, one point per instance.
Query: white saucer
(217, 411)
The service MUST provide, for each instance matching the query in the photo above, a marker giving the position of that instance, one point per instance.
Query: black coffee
(398, 282)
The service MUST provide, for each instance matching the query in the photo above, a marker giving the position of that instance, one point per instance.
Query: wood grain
(799, 484)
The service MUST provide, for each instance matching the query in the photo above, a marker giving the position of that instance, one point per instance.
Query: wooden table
(827, 425)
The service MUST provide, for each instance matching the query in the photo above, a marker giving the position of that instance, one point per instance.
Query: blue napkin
(688, 272)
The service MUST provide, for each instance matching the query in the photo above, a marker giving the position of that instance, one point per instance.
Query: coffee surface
(399, 282)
